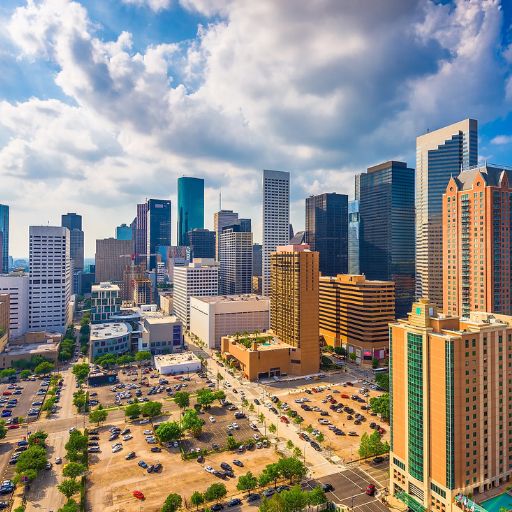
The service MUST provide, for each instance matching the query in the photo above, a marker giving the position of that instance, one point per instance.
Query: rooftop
(30, 348)
(105, 286)
(159, 318)
(263, 342)
(215, 299)
(109, 330)
(182, 357)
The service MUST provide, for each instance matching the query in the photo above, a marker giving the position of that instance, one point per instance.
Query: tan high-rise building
(294, 277)
(451, 397)
(477, 231)
(355, 313)
(440, 154)
(112, 256)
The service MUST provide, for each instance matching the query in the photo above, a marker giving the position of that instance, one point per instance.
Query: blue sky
(104, 103)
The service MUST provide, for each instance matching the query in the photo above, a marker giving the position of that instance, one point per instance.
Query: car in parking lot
(238, 463)
(142, 464)
(130, 456)
(217, 507)
(234, 502)
(370, 490)
(253, 497)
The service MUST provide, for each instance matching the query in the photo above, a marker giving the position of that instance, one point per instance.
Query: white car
(212, 419)
(254, 426)
(144, 422)
(117, 448)
(127, 437)
(148, 432)
(235, 425)
(209, 469)
(256, 437)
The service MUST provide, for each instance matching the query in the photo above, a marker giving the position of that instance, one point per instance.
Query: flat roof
(272, 342)
(160, 318)
(30, 348)
(215, 299)
(182, 357)
(109, 330)
(105, 286)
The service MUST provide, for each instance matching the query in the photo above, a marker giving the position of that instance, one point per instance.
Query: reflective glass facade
(158, 228)
(353, 237)
(190, 207)
(4, 229)
(202, 243)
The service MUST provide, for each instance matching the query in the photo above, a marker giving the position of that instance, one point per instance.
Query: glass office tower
(4, 230)
(190, 207)
(386, 209)
(158, 228)
(353, 237)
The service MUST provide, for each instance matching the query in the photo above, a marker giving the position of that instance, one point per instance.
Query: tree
(197, 499)
(205, 397)
(274, 504)
(98, 416)
(69, 487)
(172, 503)
(320, 437)
(192, 422)
(270, 473)
(247, 482)
(297, 452)
(232, 444)
(81, 371)
(80, 400)
(38, 438)
(44, 368)
(143, 355)
(261, 417)
(289, 444)
(380, 405)
(74, 469)
(375, 363)
(151, 409)
(215, 492)
(182, 399)
(251, 407)
(382, 380)
(8, 372)
(132, 411)
(352, 356)
(31, 461)
(168, 431)
(372, 445)
(3, 429)
(316, 496)
(70, 506)
(291, 468)
(77, 442)
(25, 374)
(272, 428)
(295, 499)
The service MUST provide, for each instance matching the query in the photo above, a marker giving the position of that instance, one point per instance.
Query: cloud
(154, 5)
(321, 88)
(500, 140)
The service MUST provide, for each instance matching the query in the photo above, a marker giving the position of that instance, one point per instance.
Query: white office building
(211, 318)
(235, 259)
(199, 278)
(16, 285)
(105, 302)
(276, 218)
(221, 219)
(50, 278)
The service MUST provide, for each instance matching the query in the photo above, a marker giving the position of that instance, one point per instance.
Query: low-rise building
(16, 284)
(110, 338)
(161, 334)
(213, 317)
(173, 364)
(166, 302)
(354, 314)
(44, 344)
(105, 301)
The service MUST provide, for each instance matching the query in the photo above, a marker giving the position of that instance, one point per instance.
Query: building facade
(451, 393)
(327, 231)
(439, 155)
(202, 243)
(16, 285)
(161, 334)
(4, 238)
(276, 218)
(112, 256)
(109, 338)
(197, 279)
(354, 314)
(211, 318)
(477, 242)
(141, 233)
(124, 232)
(256, 260)
(294, 287)
(190, 207)
(353, 237)
(386, 211)
(50, 278)
(158, 229)
(105, 302)
(4, 320)
(235, 259)
(221, 219)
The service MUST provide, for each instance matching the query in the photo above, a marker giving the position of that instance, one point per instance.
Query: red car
(138, 495)
(284, 419)
(370, 490)
(7, 393)
(13, 426)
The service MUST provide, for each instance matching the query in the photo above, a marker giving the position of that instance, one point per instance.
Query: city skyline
(186, 120)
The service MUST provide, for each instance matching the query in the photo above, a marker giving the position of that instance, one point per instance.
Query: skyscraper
(477, 242)
(73, 222)
(235, 258)
(141, 233)
(158, 228)
(256, 260)
(202, 243)
(50, 278)
(353, 237)
(4, 236)
(449, 408)
(276, 217)
(439, 155)
(221, 219)
(386, 211)
(124, 232)
(294, 288)
(112, 256)
(190, 207)
(327, 231)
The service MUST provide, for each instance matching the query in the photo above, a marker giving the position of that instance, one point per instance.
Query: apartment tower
(451, 396)
(477, 231)
(439, 155)
(294, 274)
(50, 278)
(327, 231)
(353, 237)
(276, 218)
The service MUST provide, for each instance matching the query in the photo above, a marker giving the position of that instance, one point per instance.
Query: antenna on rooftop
(220, 200)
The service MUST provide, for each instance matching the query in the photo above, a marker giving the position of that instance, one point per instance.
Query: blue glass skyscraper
(158, 228)
(4, 236)
(190, 207)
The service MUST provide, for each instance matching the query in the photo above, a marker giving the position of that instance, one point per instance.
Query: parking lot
(24, 396)
(113, 479)
(349, 489)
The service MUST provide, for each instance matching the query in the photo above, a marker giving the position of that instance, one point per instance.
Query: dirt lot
(344, 446)
(113, 478)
